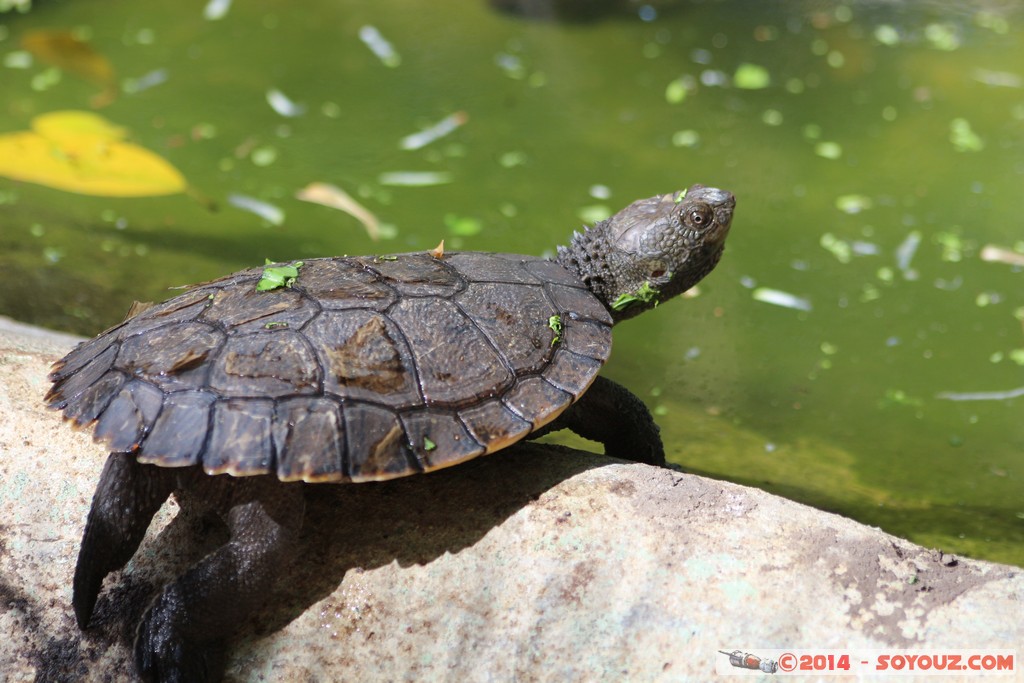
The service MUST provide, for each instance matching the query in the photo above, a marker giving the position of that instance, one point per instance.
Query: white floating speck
(905, 254)
(414, 178)
(994, 254)
(268, 212)
(284, 106)
(216, 9)
(379, 46)
(1000, 79)
(981, 395)
(434, 132)
(777, 297)
(145, 82)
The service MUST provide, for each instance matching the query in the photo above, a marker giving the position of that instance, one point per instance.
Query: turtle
(252, 387)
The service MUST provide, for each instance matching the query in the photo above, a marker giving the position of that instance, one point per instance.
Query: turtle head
(652, 250)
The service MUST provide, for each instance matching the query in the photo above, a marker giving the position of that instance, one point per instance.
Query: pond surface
(857, 348)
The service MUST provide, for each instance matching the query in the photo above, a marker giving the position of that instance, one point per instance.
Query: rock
(537, 563)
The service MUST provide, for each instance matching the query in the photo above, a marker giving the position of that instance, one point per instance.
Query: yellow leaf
(84, 153)
(77, 128)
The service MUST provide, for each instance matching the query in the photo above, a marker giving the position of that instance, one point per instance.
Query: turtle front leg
(182, 635)
(613, 415)
(127, 497)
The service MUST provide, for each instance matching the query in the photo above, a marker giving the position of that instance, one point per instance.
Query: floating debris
(886, 34)
(953, 246)
(714, 78)
(994, 254)
(263, 156)
(999, 79)
(379, 46)
(981, 395)
(334, 197)
(862, 248)
(837, 247)
(828, 150)
(853, 203)
(512, 159)
(751, 77)
(943, 37)
(777, 297)
(511, 65)
(284, 106)
(675, 91)
(434, 132)
(18, 59)
(268, 212)
(463, 226)
(594, 213)
(685, 138)
(414, 178)
(149, 80)
(905, 254)
(898, 397)
(964, 139)
(68, 52)
(772, 117)
(216, 9)
(82, 152)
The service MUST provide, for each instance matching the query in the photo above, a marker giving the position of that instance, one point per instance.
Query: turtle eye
(697, 216)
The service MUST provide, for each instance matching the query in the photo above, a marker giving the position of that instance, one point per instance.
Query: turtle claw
(127, 497)
(164, 653)
(183, 635)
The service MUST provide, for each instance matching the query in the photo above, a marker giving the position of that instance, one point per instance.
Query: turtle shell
(361, 369)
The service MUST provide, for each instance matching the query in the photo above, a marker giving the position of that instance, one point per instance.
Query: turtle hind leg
(127, 497)
(183, 634)
(612, 415)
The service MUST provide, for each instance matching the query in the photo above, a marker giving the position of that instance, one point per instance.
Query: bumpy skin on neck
(652, 250)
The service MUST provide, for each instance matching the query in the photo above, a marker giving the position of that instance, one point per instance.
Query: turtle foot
(165, 654)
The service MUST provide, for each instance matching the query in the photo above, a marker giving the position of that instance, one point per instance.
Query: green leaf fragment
(594, 213)
(828, 150)
(274, 325)
(685, 138)
(675, 91)
(463, 226)
(646, 294)
(853, 203)
(275, 277)
(751, 77)
(428, 445)
(887, 34)
(963, 137)
(555, 323)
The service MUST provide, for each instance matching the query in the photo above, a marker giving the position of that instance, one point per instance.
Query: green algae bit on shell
(275, 277)
(555, 323)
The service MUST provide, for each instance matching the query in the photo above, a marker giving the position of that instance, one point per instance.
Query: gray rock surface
(535, 564)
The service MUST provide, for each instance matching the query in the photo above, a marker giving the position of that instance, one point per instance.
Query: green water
(917, 113)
